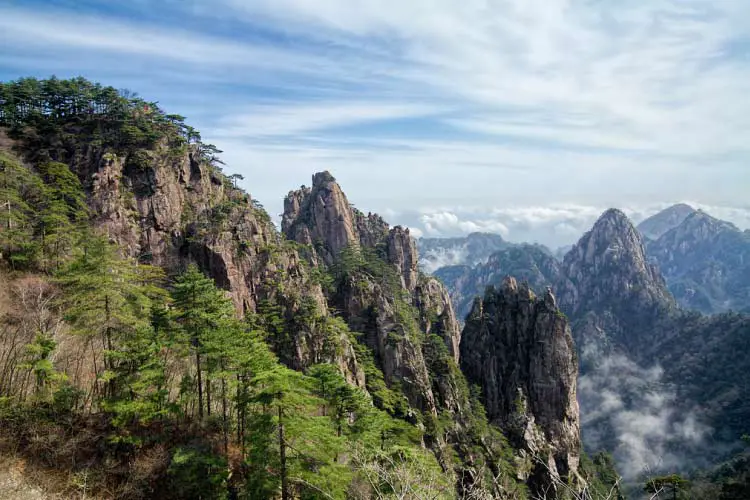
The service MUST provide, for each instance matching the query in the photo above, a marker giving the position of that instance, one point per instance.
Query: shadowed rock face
(518, 348)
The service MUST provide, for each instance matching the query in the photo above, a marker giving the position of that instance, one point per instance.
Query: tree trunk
(224, 414)
(208, 394)
(200, 385)
(282, 456)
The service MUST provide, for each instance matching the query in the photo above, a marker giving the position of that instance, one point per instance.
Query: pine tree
(306, 443)
(106, 299)
(201, 309)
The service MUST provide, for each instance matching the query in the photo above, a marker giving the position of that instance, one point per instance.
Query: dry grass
(20, 480)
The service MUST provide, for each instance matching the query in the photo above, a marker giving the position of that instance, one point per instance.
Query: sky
(523, 117)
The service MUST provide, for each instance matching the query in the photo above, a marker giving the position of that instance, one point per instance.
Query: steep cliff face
(518, 348)
(606, 274)
(706, 263)
(436, 313)
(170, 209)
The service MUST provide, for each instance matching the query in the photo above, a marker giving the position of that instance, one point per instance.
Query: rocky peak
(320, 216)
(608, 268)
(658, 224)
(701, 226)
(402, 253)
(519, 350)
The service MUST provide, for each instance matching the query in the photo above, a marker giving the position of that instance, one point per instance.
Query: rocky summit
(607, 274)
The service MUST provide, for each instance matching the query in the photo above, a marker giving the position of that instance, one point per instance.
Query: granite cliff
(519, 349)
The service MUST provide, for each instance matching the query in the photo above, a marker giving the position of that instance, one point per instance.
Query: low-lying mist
(631, 411)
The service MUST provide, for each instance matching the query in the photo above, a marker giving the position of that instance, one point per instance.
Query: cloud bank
(554, 226)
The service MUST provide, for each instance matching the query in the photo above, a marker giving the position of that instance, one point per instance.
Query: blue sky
(524, 117)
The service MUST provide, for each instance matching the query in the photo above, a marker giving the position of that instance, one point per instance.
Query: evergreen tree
(201, 309)
(106, 299)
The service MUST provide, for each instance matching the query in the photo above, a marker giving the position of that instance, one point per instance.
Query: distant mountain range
(705, 261)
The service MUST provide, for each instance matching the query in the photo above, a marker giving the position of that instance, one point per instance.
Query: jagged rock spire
(519, 350)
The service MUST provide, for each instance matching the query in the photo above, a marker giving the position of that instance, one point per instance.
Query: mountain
(530, 263)
(470, 250)
(643, 359)
(706, 262)
(167, 341)
(658, 224)
(607, 274)
(658, 383)
(379, 308)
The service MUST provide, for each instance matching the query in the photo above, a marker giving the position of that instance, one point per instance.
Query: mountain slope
(706, 262)
(658, 224)
(643, 358)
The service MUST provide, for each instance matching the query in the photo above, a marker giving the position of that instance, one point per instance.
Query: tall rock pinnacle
(518, 348)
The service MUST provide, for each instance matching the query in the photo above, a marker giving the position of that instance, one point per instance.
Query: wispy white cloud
(530, 103)
(282, 119)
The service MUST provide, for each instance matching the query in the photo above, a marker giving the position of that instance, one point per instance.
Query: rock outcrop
(518, 348)
(168, 210)
(321, 216)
